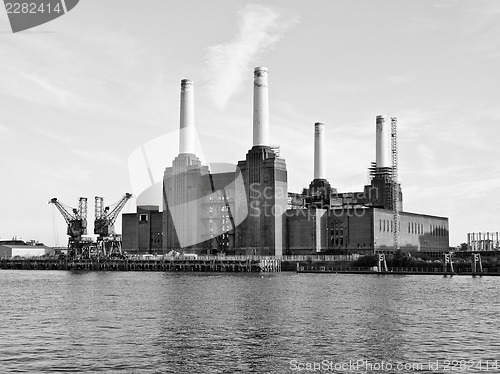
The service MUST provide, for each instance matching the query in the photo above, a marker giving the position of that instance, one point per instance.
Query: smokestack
(260, 107)
(383, 145)
(186, 136)
(319, 151)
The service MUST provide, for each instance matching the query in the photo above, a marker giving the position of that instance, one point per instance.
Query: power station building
(143, 231)
(246, 209)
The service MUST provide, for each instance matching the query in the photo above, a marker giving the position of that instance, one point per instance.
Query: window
(143, 218)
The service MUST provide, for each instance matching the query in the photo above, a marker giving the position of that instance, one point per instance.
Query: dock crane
(108, 242)
(76, 219)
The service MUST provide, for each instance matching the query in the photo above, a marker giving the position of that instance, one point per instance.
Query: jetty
(180, 264)
(316, 269)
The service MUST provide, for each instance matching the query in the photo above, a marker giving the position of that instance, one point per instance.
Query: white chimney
(187, 136)
(319, 151)
(260, 107)
(383, 143)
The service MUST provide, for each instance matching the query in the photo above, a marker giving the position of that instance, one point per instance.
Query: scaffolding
(394, 184)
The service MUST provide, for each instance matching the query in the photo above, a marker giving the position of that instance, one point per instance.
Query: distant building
(363, 230)
(13, 248)
(142, 231)
(483, 241)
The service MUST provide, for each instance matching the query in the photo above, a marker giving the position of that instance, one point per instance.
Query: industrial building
(247, 210)
(265, 191)
(363, 230)
(320, 219)
(142, 231)
(483, 241)
(13, 248)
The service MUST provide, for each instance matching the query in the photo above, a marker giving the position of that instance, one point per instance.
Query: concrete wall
(24, 250)
(418, 232)
(185, 185)
(199, 207)
(144, 218)
(301, 232)
(307, 231)
(265, 195)
(142, 231)
(363, 230)
(5, 251)
(350, 229)
(155, 233)
(130, 233)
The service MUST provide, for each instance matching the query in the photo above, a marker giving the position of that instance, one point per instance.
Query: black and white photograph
(237, 186)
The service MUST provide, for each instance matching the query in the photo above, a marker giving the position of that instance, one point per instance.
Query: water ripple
(225, 323)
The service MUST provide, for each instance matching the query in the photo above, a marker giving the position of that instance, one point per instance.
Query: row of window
(437, 230)
(337, 241)
(386, 225)
(415, 228)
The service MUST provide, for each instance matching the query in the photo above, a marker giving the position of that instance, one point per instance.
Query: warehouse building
(142, 231)
(13, 248)
(363, 230)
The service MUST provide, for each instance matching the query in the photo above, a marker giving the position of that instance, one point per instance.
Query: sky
(86, 97)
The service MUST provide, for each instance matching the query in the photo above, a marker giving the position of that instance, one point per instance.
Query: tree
(403, 260)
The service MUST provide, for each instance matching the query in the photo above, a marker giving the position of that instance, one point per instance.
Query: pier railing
(311, 268)
(286, 258)
(188, 264)
(326, 258)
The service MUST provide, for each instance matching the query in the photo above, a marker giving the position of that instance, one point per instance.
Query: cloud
(445, 3)
(99, 156)
(259, 28)
(401, 79)
(66, 174)
(348, 88)
(59, 137)
(390, 81)
(63, 95)
(4, 129)
(463, 191)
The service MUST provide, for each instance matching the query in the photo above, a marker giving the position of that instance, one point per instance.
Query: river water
(140, 322)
